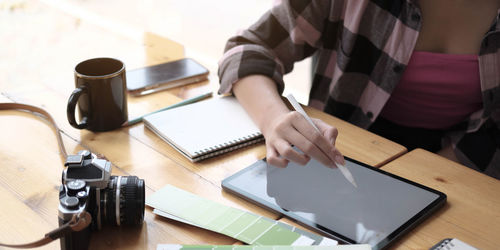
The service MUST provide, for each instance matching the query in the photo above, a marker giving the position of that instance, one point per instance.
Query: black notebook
(205, 129)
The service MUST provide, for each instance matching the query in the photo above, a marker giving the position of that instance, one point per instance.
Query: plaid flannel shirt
(362, 49)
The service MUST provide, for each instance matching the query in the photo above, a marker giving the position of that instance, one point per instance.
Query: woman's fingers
(327, 130)
(273, 157)
(308, 147)
(285, 150)
(324, 140)
(293, 129)
(330, 134)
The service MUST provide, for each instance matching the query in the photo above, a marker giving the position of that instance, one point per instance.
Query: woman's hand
(283, 128)
(292, 128)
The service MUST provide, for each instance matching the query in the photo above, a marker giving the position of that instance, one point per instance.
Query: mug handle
(70, 112)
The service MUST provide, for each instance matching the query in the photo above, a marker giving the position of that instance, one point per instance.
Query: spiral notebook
(205, 129)
(452, 244)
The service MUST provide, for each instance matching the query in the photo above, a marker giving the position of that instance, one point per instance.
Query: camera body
(87, 185)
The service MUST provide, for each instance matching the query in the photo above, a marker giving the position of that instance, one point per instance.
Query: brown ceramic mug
(101, 95)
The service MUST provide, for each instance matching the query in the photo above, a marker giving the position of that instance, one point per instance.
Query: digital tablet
(381, 209)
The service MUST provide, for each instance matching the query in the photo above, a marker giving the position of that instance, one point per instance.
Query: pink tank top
(436, 91)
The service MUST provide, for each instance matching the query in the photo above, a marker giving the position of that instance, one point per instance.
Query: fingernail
(340, 160)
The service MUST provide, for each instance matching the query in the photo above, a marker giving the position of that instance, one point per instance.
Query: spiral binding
(452, 243)
(228, 146)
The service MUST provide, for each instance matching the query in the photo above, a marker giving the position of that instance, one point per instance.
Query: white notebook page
(204, 125)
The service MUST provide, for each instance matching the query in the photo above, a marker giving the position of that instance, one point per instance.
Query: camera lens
(123, 202)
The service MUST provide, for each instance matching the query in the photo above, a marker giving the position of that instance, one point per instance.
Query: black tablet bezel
(411, 223)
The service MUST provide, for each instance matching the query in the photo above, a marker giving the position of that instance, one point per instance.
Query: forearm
(259, 96)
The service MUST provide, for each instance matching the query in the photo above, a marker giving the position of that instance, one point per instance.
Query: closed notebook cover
(205, 129)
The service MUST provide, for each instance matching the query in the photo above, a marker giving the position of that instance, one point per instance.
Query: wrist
(270, 116)
(260, 98)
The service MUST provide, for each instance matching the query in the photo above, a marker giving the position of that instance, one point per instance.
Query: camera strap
(41, 113)
(79, 221)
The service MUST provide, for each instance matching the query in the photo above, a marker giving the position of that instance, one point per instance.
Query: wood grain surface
(42, 45)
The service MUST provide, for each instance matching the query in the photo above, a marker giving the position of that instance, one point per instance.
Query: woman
(422, 73)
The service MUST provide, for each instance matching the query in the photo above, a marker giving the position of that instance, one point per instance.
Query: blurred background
(49, 29)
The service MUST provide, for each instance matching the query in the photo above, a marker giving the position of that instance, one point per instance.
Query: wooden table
(44, 46)
(472, 212)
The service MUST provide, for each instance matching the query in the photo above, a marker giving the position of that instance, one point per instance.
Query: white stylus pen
(347, 174)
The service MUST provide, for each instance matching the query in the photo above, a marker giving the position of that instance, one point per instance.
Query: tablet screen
(382, 207)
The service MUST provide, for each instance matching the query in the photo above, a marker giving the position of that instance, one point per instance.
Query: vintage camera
(87, 185)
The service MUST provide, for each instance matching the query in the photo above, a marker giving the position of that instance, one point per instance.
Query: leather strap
(79, 221)
(44, 114)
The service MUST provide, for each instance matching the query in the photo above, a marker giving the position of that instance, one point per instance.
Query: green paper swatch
(239, 247)
(236, 223)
